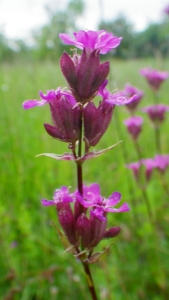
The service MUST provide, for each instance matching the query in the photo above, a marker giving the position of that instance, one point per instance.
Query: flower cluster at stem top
(86, 78)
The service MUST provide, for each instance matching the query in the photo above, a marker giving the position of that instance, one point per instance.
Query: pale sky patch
(19, 17)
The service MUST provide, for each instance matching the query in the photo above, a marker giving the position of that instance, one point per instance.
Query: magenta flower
(131, 91)
(75, 223)
(154, 77)
(84, 74)
(135, 167)
(97, 119)
(62, 200)
(134, 126)
(52, 95)
(114, 98)
(92, 40)
(65, 114)
(156, 112)
(149, 165)
(60, 196)
(161, 162)
(92, 198)
(91, 230)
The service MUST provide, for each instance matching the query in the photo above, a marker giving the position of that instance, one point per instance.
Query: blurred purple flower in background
(154, 77)
(161, 162)
(134, 126)
(130, 91)
(136, 167)
(156, 112)
(166, 10)
(149, 165)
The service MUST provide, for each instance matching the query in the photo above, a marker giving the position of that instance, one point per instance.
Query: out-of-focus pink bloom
(154, 77)
(161, 162)
(166, 10)
(149, 165)
(134, 126)
(135, 167)
(130, 91)
(92, 40)
(156, 112)
(14, 244)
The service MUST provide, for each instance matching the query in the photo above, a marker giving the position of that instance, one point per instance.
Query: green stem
(138, 150)
(89, 281)
(157, 138)
(86, 267)
(147, 204)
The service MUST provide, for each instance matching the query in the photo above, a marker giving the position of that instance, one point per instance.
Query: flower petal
(123, 208)
(46, 202)
(32, 103)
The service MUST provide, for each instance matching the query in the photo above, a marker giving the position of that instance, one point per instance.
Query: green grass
(137, 264)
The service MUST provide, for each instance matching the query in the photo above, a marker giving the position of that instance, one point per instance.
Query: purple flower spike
(134, 126)
(130, 91)
(156, 112)
(154, 77)
(92, 40)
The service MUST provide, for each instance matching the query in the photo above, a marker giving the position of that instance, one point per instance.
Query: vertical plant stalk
(147, 204)
(86, 267)
(79, 165)
(157, 138)
(138, 150)
(89, 280)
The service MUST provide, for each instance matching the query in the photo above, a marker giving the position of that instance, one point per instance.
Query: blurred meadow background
(33, 264)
